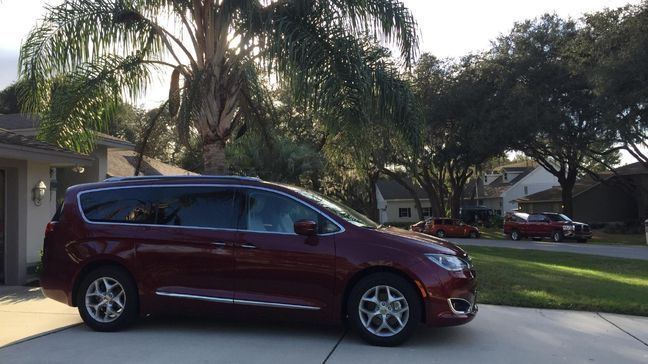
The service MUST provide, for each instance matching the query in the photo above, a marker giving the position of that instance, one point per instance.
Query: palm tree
(84, 57)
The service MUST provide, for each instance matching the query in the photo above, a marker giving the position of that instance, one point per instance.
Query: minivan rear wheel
(384, 309)
(441, 234)
(107, 299)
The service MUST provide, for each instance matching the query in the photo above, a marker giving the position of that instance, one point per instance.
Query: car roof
(171, 180)
(181, 177)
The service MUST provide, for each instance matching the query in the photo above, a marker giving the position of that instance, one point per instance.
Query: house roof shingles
(392, 190)
(123, 163)
(498, 186)
(7, 137)
(30, 121)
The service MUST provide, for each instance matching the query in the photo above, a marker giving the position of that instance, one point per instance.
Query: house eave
(55, 158)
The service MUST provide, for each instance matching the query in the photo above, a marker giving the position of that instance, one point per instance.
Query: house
(500, 189)
(33, 178)
(621, 196)
(396, 205)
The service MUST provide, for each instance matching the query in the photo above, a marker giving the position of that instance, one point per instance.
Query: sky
(450, 28)
(447, 29)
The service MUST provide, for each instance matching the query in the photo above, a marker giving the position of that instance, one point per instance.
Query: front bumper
(450, 298)
(570, 234)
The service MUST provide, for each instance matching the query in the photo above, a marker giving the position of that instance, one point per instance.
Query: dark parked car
(545, 225)
(240, 246)
(443, 227)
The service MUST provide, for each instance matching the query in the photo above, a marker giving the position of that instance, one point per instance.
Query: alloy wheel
(383, 310)
(105, 299)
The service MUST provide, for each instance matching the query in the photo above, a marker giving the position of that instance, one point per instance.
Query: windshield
(337, 208)
(558, 217)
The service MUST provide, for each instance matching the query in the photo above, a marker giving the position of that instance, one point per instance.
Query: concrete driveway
(25, 312)
(498, 335)
(617, 251)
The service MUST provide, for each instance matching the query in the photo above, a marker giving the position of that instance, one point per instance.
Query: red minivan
(230, 245)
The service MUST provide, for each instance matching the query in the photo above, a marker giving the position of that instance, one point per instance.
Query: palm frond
(83, 102)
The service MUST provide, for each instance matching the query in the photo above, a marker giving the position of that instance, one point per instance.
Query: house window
(526, 190)
(427, 211)
(404, 212)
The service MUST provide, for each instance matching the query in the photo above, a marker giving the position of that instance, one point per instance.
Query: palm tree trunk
(214, 158)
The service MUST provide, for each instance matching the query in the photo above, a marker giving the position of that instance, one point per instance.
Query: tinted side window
(272, 212)
(211, 207)
(536, 218)
(179, 206)
(133, 205)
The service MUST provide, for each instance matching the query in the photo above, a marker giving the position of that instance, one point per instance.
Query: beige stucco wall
(24, 221)
(66, 177)
(37, 216)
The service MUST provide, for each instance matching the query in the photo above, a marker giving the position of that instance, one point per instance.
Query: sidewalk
(25, 312)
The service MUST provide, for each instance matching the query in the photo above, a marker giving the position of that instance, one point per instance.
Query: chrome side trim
(236, 301)
(275, 305)
(195, 297)
(326, 215)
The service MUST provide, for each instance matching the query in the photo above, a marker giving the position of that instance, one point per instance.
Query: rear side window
(537, 218)
(211, 207)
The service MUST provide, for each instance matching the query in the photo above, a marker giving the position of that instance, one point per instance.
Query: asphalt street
(617, 251)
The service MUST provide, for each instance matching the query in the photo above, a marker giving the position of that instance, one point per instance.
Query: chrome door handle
(219, 244)
(248, 246)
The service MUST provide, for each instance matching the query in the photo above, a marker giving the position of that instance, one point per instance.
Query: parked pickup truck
(558, 227)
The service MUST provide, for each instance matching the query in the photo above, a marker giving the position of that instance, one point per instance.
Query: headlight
(449, 262)
(568, 227)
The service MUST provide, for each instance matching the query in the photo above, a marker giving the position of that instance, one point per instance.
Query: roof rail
(190, 176)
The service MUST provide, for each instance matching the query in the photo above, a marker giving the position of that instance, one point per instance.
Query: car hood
(426, 243)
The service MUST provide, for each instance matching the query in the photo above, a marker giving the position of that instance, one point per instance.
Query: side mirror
(306, 227)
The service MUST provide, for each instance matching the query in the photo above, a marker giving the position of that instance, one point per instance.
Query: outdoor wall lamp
(39, 193)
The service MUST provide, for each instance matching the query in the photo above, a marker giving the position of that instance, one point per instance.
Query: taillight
(50, 227)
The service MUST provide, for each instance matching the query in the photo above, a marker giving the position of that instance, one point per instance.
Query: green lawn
(531, 278)
(598, 237)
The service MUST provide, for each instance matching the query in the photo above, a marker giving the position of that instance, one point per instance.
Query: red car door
(276, 269)
(187, 255)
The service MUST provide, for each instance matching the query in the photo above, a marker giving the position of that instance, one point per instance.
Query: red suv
(134, 246)
(545, 225)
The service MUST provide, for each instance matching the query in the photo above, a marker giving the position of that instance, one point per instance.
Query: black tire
(127, 315)
(473, 235)
(515, 235)
(402, 286)
(440, 234)
(557, 236)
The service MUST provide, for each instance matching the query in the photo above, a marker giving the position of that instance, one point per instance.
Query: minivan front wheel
(384, 309)
(107, 299)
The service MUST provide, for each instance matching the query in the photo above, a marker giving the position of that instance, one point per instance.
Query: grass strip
(531, 278)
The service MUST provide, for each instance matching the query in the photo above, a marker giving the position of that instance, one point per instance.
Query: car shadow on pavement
(18, 294)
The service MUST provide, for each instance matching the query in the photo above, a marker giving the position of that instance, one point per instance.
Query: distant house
(618, 197)
(34, 176)
(396, 205)
(500, 189)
